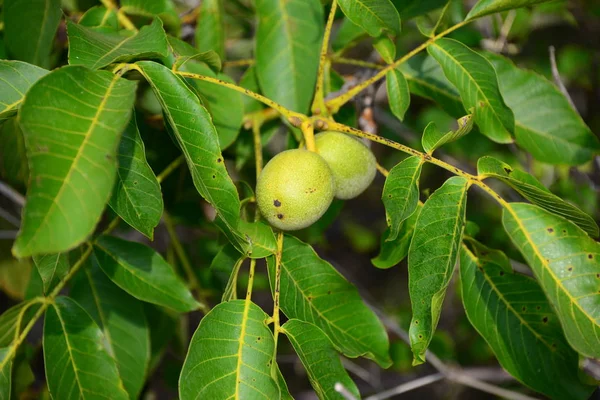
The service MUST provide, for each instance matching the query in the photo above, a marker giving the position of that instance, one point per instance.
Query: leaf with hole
(313, 291)
(230, 355)
(376, 17)
(78, 366)
(321, 361)
(142, 273)
(136, 196)
(512, 314)
(72, 121)
(97, 49)
(121, 319)
(477, 83)
(530, 188)
(16, 77)
(401, 193)
(29, 29)
(566, 263)
(288, 43)
(431, 259)
(545, 123)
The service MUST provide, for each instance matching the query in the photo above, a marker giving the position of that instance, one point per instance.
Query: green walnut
(352, 163)
(294, 189)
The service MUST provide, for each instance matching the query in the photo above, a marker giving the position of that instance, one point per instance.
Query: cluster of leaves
(71, 136)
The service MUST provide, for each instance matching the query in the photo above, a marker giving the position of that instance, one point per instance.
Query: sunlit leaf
(433, 138)
(313, 291)
(545, 123)
(100, 17)
(121, 319)
(376, 17)
(321, 361)
(95, 49)
(431, 259)
(142, 273)
(210, 29)
(476, 81)
(288, 42)
(486, 7)
(391, 252)
(513, 315)
(77, 364)
(16, 77)
(230, 355)
(566, 263)
(530, 188)
(72, 121)
(197, 137)
(386, 48)
(398, 93)
(52, 268)
(136, 196)
(401, 193)
(261, 238)
(487, 255)
(29, 29)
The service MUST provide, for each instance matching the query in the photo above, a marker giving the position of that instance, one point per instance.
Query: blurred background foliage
(348, 235)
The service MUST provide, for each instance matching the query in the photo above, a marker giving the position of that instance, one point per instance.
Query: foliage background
(352, 239)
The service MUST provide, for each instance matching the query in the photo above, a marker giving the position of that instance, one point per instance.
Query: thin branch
(357, 63)
(486, 387)
(318, 105)
(341, 389)
(9, 218)
(557, 78)
(12, 194)
(408, 386)
(170, 168)
(123, 19)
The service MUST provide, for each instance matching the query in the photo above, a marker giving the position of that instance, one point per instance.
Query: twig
(8, 234)
(408, 386)
(318, 105)
(170, 168)
(500, 43)
(557, 78)
(486, 387)
(358, 371)
(12, 194)
(341, 389)
(9, 217)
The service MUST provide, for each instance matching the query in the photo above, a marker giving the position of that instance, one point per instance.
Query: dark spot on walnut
(276, 203)
(280, 216)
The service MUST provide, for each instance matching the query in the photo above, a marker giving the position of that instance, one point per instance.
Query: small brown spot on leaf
(591, 256)
(570, 269)
(214, 176)
(219, 160)
(329, 292)
(507, 170)
(501, 273)
(550, 230)
(545, 320)
(538, 308)
(524, 309)
(417, 322)
(276, 203)
(420, 336)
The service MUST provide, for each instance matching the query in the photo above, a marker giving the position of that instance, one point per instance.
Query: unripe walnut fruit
(352, 163)
(294, 189)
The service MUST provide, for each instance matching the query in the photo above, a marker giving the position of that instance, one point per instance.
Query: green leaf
(210, 30)
(13, 163)
(288, 43)
(413, 8)
(122, 321)
(13, 319)
(376, 17)
(230, 355)
(386, 48)
(433, 138)
(16, 77)
(426, 79)
(546, 125)
(476, 81)
(100, 17)
(77, 363)
(197, 137)
(72, 120)
(313, 291)
(398, 93)
(226, 106)
(530, 188)
(143, 273)
(486, 7)
(29, 29)
(401, 193)
(250, 81)
(512, 314)
(488, 255)
(566, 263)
(52, 268)
(94, 49)
(164, 9)
(5, 374)
(184, 52)
(348, 34)
(391, 252)
(261, 238)
(136, 196)
(431, 259)
(321, 361)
